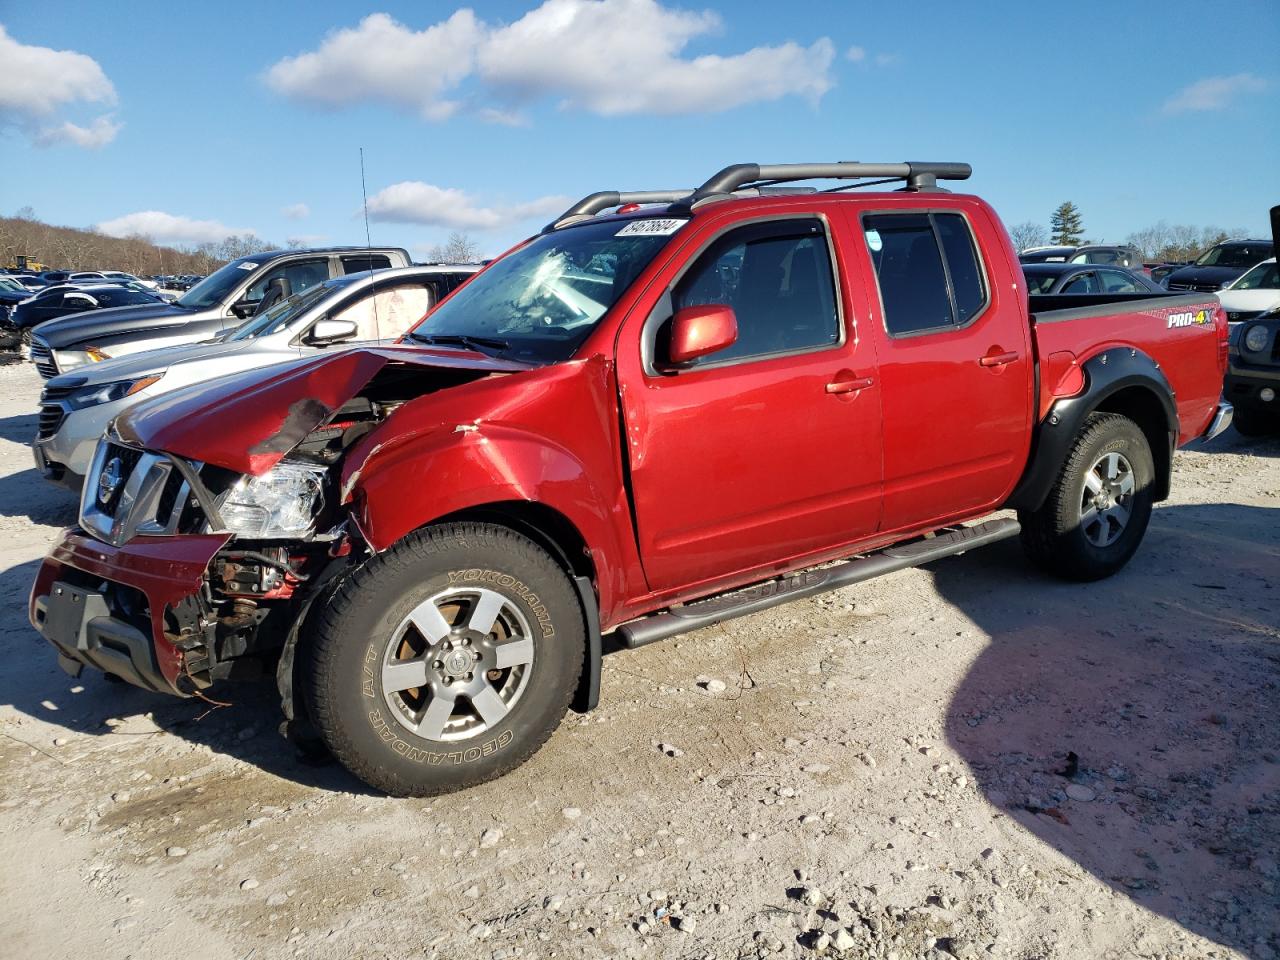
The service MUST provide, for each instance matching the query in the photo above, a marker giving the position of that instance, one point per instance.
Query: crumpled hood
(79, 328)
(247, 422)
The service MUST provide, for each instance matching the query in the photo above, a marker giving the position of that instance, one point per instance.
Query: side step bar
(806, 583)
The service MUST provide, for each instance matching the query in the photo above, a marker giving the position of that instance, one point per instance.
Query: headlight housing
(107, 392)
(70, 359)
(1255, 338)
(282, 504)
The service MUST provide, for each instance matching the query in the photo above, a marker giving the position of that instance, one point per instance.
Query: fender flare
(1106, 374)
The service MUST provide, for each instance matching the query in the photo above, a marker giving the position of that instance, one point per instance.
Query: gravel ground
(966, 760)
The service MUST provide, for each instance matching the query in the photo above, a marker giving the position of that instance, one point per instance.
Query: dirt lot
(886, 773)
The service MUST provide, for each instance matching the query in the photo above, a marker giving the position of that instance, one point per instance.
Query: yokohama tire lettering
(475, 574)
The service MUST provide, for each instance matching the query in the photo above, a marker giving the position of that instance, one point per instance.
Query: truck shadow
(1153, 698)
(28, 494)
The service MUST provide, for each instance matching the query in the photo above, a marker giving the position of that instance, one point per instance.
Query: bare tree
(1028, 234)
(459, 248)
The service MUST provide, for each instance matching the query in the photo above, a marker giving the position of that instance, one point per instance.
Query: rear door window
(1113, 281)
(365, 261)
(1081, 283)
(928, 271)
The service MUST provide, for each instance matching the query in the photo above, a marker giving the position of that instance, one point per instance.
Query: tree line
(73, 248)
(1160, 242)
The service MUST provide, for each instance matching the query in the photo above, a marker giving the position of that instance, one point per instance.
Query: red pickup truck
(669, 408)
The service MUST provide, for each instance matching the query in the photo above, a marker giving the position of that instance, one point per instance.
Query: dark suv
(1253, 374)
(1219, 265)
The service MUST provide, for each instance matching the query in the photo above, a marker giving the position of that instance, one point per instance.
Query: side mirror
(244, 309)
(326, 331)
(698, 331)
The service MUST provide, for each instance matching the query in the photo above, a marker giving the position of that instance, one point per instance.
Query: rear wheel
(446, 661)
(1097, 511)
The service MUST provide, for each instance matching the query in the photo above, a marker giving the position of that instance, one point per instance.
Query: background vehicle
(211, 308)
(117, 276)
(1253, 376)
(1046, 254)
(64, 300)
(1069, 278)
(76, 407)
(643, 422)
(1256, 292)
(1219, 265)
(1119, 256)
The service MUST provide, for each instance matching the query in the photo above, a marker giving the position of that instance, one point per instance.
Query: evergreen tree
(1068, 225)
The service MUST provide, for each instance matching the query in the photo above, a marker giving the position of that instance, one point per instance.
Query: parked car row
(667, 409)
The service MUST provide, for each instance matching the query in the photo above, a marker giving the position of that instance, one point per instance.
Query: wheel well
(548, 528)
(1144, 408)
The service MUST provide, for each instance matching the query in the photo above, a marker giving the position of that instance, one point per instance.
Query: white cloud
(1213, 93)
(623, 56)
(856, 54)
(384, 60)
(168, 228)
(93, 137)
(608, 57)
(35, 82)
(38, 80)
(416, 202)
(295, 211)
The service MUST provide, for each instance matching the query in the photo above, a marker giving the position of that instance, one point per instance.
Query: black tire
(364, 725)
(1249, 421)
(1054, 536)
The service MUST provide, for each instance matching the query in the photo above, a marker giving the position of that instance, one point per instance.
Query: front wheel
(446, 661)
(1096, 514)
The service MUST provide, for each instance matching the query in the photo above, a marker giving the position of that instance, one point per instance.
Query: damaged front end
(211, 520)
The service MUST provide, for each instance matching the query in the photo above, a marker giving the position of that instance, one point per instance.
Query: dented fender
(493, 442)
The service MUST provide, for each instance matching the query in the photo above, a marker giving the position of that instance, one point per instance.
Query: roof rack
(756, 180)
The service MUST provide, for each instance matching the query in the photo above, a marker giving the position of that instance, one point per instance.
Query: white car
(1254, 293)
(367, 307)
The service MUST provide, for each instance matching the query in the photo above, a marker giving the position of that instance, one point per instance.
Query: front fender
(555, 446)
(1105, 375)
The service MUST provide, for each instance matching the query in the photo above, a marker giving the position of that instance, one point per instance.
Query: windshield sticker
(248, 266)
(650, 228)
(874, 241)
(1189, 319)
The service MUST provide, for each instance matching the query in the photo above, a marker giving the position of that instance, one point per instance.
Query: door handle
(998, 359)
(850, 386)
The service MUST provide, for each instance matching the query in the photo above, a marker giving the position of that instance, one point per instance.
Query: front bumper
(1244, 387)
(105, 607)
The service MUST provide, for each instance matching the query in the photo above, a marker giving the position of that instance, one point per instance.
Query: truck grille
(130, 492)
(42, 357)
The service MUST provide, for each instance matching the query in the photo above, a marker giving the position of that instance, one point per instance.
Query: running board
(807, 583)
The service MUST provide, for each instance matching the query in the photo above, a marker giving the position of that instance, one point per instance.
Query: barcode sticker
(650, 228)
(248, 266)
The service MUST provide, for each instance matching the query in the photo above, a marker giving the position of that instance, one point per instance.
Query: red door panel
(754, 462)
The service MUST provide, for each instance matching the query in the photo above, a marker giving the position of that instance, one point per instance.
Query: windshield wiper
(461, 340)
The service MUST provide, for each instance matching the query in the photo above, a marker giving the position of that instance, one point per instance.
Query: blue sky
(488, 119)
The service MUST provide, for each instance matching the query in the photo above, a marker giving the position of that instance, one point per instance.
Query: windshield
(1233, 255)
(282, 314)
(215, 288)
(1265, 276)
(540, 302)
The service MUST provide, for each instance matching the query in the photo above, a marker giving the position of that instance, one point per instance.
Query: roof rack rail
(759, 178)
